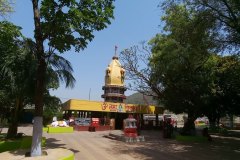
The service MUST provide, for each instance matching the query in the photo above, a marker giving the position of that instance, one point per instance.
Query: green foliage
(9, 38)
(59, 70)
(186, 72)
(195, 80)
(15, 63)
(180, 58)
(18, 66)
(6, 7)
(62, 25)
(218, 130)
(52, 108)
(228, 73)
(68, 23)
(227, 15)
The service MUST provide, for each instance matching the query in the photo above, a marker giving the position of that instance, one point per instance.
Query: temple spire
(115, 51)
(114, 87)
(115, 54)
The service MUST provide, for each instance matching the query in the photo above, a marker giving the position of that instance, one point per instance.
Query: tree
(177, 69)
(52, 107)
(18, 67)
(224, 90)
(11, 71)
(229, 74)
(5, 7)
(179, 60)
(62, 25)
(136, 62)
(18, 72)
(227, 14)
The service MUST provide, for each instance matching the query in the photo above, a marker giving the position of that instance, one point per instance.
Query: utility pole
(89, 95)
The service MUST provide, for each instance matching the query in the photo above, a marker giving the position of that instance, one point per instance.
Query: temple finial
(115, 55)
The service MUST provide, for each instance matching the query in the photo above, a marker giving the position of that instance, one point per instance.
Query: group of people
(59, 123)
(64, 123)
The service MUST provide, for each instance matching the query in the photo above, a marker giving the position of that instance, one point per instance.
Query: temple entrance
(119, 117)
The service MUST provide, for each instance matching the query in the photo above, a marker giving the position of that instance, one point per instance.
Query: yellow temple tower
(114, 87)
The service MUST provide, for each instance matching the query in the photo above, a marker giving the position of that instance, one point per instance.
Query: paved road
(95, 146)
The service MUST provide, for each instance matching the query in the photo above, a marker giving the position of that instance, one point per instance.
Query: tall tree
(62, 25)
(229, 75)
(6, 7)
(17, 72)
(11, 71)
(224, 89)
(136, 62)
(177, 72)
(227, 14)
(179, 59)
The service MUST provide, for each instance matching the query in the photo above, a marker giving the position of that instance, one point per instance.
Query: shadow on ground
(155, 147)
(54, 143)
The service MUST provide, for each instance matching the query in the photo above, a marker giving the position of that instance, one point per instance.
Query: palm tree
(18, 68)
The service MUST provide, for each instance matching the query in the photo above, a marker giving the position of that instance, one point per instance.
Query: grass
(191, 138)
(22, 143)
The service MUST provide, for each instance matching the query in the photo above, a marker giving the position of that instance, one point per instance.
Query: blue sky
(135, 21)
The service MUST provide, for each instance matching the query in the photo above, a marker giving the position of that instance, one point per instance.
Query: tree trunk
(157, 121)
(189, 125)
(212, 122)
(36, 149)
(13, 127)
(12, 130)
(231, 121)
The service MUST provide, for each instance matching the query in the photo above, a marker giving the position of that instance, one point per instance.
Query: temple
(110, 113)
(114, 81)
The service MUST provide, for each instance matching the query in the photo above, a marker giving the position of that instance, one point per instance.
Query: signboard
(113, 107)
(83, 105)
(83, 121)
(126, 108)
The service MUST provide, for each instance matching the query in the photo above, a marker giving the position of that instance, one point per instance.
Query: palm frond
(67, 77)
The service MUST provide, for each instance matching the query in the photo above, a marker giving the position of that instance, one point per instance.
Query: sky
(135, 21)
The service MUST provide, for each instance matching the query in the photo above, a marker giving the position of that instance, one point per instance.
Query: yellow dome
(114, 73)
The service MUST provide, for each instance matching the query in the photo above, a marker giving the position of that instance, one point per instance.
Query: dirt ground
(99, 146)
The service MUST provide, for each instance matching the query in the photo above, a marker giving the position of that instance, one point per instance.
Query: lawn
(191, 138)
(21, 143)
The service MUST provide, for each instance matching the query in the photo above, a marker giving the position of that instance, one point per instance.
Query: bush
(218, 130)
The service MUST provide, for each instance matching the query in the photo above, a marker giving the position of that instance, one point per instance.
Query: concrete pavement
(95, 146)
